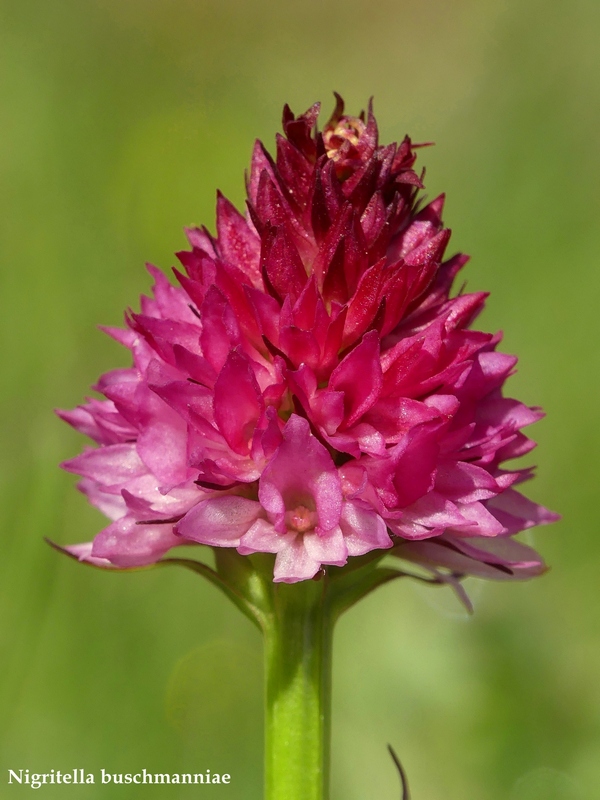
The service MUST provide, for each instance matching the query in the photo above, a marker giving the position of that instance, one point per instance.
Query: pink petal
(262, 537)
(238, 243)
(84, 553)
(127, 544)
(480, 522)
(293, 563)
(220, 521)
(517, 513)
(111, 505)
(283, 266)
(434, 511)
(237, 402)
(499, 558)
(359, 376)
(220, 330)
(328, 548)
(162, 446)
(112, 465)
(364, 530)
(415, 460)
(465, 482)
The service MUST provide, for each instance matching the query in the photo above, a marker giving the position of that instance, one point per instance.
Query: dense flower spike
(311, 389)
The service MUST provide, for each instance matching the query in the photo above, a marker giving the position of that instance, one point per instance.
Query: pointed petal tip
(550, 517)
(82, 554)
(59, 548)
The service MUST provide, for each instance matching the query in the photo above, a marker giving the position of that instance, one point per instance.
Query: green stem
(298, 641)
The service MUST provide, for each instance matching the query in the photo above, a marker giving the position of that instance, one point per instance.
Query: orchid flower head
(312, 387)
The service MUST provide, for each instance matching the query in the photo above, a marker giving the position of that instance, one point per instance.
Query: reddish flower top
(311, 389)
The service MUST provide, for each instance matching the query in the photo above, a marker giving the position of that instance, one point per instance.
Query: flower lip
(301, 487)
(301, 519)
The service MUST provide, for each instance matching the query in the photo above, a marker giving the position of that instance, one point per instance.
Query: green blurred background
(118, 121)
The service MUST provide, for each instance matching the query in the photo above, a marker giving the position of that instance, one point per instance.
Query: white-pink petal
(262, 537)
(364, 530)
(220, 521)
(111, 465)
(84, 553)
(480, 521)
(328, 548)
(127, 544)
(294, 563)
(112, 505)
